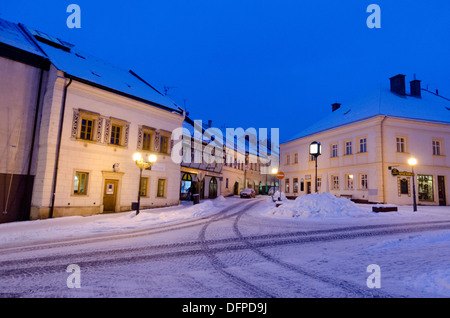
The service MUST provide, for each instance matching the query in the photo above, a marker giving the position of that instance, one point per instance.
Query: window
(363, 181)
(161, 192)
(146, 140)
(296, 158)
(436, 147)
(186, 183)
(80, 183)
(362, 145)
(144, 184)
(87, 129)
(286, 186)
(335, 182)
(403, 186)
(334, 151)
(116, 133)
(425, 187)
(349, 181)
(348, 148)
(164, 146)
(319, 183)
(401, 144)
(312, 158)
(288, 159)
(295, 185)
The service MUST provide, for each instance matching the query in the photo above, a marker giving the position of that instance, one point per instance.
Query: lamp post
(139, 160)
(274, 172)
(412, 162)
(315, 149)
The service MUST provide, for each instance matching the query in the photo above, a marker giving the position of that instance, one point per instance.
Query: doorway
(308, 187)
(441, 190)
(212, 188)
(110, 195)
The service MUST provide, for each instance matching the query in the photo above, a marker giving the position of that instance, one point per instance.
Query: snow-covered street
(232, 248)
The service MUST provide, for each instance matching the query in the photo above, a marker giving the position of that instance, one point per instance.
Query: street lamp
(315, 149)
(139, 160)
(412, 162)
(274, 172)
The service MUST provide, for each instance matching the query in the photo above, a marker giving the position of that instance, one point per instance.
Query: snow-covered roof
(91, 69)
(382, 102)
(12, 35)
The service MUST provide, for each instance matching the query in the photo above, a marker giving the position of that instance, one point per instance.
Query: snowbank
(317, 205)
(76, 226)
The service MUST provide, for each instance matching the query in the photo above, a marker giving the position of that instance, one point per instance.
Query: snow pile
(277, 195)
(317, 205)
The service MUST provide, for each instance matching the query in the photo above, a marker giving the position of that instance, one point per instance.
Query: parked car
(248, 193)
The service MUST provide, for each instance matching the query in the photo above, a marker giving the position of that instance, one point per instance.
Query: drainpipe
(58, 146)
(383, 186)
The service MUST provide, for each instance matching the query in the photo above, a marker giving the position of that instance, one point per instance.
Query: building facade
(87, 119)
(366, 146)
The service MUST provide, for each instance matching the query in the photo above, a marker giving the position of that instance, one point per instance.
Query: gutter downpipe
(58, 146)
(383, 186)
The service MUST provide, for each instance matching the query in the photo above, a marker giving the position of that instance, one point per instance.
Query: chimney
(335, 106)
(415, 88)
(398, 84)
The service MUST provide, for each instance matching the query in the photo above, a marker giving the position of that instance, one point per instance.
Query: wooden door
(110, 195)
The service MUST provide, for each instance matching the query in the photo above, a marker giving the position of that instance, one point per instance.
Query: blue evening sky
(257, 63)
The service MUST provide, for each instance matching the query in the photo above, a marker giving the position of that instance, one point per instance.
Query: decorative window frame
(109, 122)
(98, 123)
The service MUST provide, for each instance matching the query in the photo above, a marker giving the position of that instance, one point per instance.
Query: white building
(366, 146)
(93, 118)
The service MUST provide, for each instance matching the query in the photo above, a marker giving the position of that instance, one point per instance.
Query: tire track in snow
(353, 289)
(219, 266)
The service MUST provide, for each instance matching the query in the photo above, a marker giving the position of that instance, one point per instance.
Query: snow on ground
(78, 226)
(308, 211)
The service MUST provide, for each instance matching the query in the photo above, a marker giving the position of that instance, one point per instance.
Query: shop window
(186, 183)
(425, 187)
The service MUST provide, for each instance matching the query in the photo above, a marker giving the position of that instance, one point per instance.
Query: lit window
(80, 183)
(349, 181)
(286, 186)
(425, 187)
